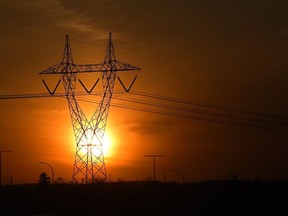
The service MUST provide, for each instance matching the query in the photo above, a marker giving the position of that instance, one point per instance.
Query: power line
(195, 117)
(191, 110)
(163, 98)
(207, 105)
(267, 120)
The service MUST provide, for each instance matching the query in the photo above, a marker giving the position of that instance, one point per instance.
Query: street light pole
(154, 156)
(51, 170)
(1, 164)
(179, 171)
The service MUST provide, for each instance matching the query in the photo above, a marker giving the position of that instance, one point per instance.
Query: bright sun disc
(90, 141)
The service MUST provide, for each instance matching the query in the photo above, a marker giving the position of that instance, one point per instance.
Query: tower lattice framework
(89, 164)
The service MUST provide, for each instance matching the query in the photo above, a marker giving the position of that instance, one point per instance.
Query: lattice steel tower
(89, 164)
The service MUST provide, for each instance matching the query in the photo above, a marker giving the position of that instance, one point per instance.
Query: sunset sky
(231, 53)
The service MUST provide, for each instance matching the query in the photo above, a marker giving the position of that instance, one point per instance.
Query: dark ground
(147, 198)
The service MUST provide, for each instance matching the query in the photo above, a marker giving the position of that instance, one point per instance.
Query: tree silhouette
(44, 179)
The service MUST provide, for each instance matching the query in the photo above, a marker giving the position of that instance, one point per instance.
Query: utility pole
(1, 164)
(154, 163)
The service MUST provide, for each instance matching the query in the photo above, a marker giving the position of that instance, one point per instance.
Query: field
(147, 198)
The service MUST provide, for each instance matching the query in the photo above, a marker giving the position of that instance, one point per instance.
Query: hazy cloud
(34, 18)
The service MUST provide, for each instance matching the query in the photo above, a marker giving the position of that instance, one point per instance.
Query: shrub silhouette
(44, 179)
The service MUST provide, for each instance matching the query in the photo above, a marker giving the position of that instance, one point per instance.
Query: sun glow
(108, 144)
(90, 143)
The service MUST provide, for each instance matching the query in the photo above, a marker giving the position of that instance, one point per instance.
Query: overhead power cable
(207, 105)
(228, 115)
(237, 116)
(238, 122)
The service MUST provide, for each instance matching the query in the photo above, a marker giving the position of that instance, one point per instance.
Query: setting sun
(90, 143)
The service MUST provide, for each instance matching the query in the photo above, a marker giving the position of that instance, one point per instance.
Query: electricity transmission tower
(89, 165)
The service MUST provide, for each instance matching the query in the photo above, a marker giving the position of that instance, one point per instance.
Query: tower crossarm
(115, 65)
(61, 68)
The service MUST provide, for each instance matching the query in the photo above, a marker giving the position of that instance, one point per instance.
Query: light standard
(178, 171)
(51, 170)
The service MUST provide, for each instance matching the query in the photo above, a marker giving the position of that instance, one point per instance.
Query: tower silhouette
(89, 164)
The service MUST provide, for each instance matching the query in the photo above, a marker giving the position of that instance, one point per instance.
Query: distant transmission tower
(89, 165)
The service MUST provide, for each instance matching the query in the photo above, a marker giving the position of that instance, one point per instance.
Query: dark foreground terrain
(147, 198)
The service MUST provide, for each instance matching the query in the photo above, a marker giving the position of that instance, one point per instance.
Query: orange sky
(231, 53)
